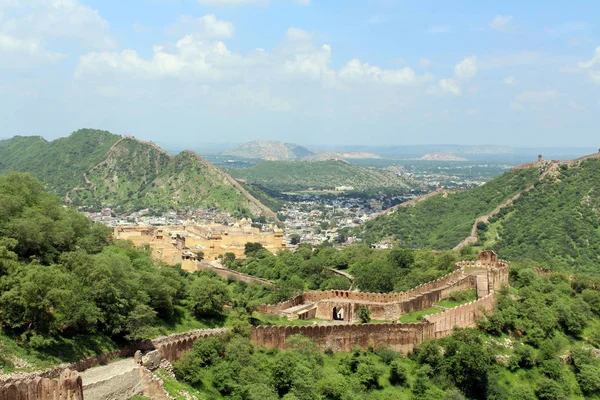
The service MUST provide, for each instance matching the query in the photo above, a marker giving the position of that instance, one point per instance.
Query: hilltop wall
(388, 311)
(67, 387)
(462, 316)
(341, 338)
(315, 296)
(399, 337)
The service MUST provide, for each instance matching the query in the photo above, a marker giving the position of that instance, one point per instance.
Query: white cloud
(209, 60)
(517, 106)
(26, 28)
(188, 58)
(444, 87)
(592, 66)
(425, 63)
(207, 26)
(466, 69)
(356, 71)
(593, 61)
(500, 22)
(510, 81)
(450, 86)
(434, 30)
(58, 19)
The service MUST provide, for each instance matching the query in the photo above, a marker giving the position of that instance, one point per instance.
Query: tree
(398, 373)
(294, 239)
(401, 258)
(252, 247)
(207, 296)
(589, 379)
(364, 315)
(139, 323)
(228, 258)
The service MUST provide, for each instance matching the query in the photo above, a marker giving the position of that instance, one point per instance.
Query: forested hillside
(319, 175)
(444, 220)
(97, 169)
(556, 223)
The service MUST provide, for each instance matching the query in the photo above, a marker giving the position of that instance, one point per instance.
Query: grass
(179, 390)
(274, 320)
(184, 321)
(463, 297)
(417, 315)
(64, 350)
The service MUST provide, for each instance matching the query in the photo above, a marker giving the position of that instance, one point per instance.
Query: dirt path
(106, 372)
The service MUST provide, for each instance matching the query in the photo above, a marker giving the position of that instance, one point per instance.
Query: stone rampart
(396, 336)
(67, 387)
(389, 311)
(462, 316)
(171, 347)
(341, 338)
(315, 296)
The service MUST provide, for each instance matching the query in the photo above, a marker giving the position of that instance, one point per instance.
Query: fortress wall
(341, 338)
(275, 308)
(389, 311)
(67, 387)
(462, 316)
(400, 337)
(171, 347)
(315, 296)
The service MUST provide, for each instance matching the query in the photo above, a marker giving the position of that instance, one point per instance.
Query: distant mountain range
(95, 169)
(271, 151)
(280, 151)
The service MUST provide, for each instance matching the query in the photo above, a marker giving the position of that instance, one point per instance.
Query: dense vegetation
(443, 221)
(557, 224)
(59, 164)
(319, 175)
(133, 176)
(63, 282)
(532, 348)
(373, 270)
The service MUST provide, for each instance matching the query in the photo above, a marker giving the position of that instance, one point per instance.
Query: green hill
(320, 175)
(444, 220)
(96, 169)
(556, 222)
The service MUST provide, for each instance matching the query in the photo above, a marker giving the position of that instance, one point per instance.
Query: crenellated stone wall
(171, 347)
(341, 338)
(462, 316)
(396, 336)
(67, 387)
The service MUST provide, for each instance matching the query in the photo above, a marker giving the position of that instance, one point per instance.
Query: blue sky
(379, 72)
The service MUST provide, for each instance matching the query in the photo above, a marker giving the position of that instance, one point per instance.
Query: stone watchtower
(540, 158)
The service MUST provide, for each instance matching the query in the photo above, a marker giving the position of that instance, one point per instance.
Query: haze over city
(315, 72)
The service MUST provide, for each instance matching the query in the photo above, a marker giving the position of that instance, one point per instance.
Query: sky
(322, 72)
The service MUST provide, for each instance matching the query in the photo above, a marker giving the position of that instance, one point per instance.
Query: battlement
(67, 387)
(396, 336)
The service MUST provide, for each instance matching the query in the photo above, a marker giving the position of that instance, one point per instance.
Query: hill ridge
(550, 166)
(99, 169)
